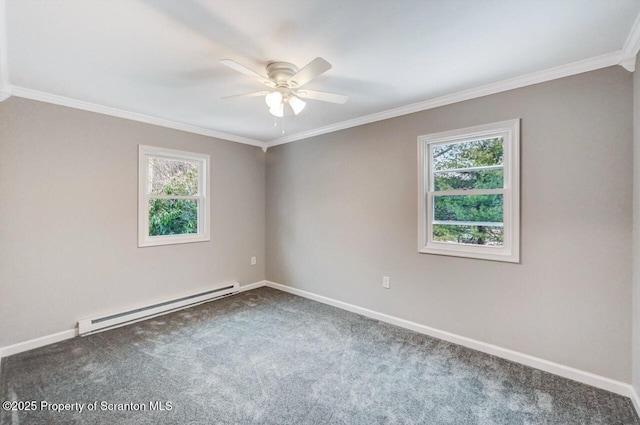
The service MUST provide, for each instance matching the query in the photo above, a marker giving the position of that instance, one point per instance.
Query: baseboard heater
(89, 326)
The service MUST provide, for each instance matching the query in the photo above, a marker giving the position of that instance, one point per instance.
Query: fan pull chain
(275, 123)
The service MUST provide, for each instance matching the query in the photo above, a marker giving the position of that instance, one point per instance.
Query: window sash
(430, 145)
(191, 197)
(199, 216)
(464, 192)
(198, 197)
(198, 162)
(506, 214)
(469, 223)
(459, 170)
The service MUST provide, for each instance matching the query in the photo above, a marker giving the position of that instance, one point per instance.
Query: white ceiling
(160, 58)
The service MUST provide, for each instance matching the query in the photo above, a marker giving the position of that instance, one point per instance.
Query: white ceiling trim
(107, 110)
(625, 57)
(4, 63)
(573, 68)
(631, 47)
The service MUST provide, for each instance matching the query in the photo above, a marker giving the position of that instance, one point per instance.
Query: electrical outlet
(385, 282)
(254, 261)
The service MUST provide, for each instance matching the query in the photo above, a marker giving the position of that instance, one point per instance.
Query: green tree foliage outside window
(173, 216)
(485, 208)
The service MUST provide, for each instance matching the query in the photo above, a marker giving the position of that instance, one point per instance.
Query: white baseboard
(514, 356)
(635, 398)
(253, 285)
(578, 375)
(20, 347)
(37, 342)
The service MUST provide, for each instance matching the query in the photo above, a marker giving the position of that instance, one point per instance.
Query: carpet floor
(268, 357)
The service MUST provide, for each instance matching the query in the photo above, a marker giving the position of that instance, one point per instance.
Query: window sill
(473, 252)
(172, 240)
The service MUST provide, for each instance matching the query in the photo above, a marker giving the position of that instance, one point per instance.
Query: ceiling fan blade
(313, 69)
(322, 96)
(246, 71)
(254, 94)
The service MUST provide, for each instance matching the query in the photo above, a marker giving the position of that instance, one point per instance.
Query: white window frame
(203, 234)
(510, 251)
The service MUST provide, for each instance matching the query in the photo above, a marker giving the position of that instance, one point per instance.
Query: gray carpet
(267, 357)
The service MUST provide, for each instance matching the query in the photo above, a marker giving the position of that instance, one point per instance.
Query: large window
(173, 196)
(469, 192)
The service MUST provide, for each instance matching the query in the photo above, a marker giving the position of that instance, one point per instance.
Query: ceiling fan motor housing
(281, 72)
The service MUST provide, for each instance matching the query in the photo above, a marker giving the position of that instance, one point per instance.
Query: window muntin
(173, 197)
(469, 187)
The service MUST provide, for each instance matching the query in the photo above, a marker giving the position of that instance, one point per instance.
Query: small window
(469, 198)
(173, 196)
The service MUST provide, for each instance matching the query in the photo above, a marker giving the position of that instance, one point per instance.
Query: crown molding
(134, 116)
(573, 68)
(591, 64)
(631, 47)
(625, 58)
(7, 90)
(628, 63)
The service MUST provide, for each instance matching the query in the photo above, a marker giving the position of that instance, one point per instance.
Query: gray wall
(342, 212)
(636, 227)
(68, 243)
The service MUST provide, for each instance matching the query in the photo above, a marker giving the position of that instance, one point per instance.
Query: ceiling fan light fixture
(283, 79)
(296, 104)
(278, 111)
(273, 100)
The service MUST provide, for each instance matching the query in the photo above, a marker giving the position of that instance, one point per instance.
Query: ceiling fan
(284, 81)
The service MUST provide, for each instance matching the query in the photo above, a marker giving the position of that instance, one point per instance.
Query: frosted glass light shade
(278, 111)
(296, 104)
(273, 100)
